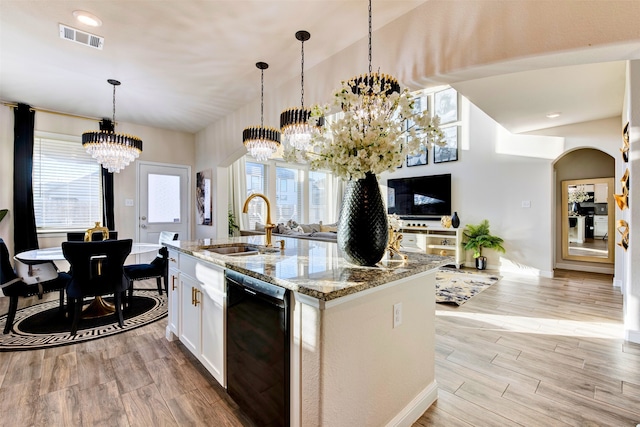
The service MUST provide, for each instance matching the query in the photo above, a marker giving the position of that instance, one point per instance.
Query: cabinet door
(189, 314)
(174, 300)
(213, 351)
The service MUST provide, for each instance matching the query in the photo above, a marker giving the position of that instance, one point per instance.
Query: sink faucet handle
(281, 244)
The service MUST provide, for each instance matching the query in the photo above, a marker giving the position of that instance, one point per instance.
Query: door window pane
(163, 198)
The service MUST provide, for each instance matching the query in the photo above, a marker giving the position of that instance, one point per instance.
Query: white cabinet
(435, 240)
(197, 311)
(601, 193)
(174, 294)
(600, 225)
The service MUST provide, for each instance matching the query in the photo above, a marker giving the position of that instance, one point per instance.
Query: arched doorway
(581, 164)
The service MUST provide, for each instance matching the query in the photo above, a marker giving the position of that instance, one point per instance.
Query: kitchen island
(362, 338)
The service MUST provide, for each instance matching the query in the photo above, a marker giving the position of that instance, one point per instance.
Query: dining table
(98, 306)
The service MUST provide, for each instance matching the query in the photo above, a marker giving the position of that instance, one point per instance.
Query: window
(67, 192)
(319, 193)
(288, 195)
(256, 178)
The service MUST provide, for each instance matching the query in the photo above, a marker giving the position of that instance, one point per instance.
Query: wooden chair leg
(118, 302)
(130, 293)
(11, 315)
(77, 313)
(62, 301)
(159, 284)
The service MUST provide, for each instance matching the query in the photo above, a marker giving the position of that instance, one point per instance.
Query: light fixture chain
(302, 79)
(114, 106)
(370, 69)
(261, 98)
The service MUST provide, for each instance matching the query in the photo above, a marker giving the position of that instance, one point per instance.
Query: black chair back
(97, 267)
(78, 236)
(6, 270)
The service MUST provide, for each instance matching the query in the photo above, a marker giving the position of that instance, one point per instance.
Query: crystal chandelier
(373, 89)
(296, 131)
(261, 141)
(114, 151)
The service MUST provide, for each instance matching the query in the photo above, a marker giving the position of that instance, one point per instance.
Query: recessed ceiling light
(87, 18)
(553, 115)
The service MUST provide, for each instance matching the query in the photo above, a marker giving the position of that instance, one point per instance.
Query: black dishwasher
(258, 348)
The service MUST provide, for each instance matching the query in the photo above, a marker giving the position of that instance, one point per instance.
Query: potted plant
(479, 237)
(232, 224)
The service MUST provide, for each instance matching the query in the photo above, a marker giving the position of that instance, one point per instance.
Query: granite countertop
(312, 268)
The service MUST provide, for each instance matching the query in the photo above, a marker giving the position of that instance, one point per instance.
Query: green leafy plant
(232, 224)
(3, 213)
(479, 237)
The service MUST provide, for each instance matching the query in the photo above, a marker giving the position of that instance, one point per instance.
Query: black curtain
(108, 219)
(24, 219)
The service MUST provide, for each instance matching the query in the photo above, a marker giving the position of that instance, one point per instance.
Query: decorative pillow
(314, 227)
(305, 228)
(259, 227)
(328, 228)
(292, 224)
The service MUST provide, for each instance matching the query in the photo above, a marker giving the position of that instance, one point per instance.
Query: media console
(434, 239)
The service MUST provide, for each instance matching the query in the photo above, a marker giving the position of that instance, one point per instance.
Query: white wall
(159, 145)
(631, 273)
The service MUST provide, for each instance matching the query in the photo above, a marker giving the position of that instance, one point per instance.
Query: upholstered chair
(97, 269)
(14, 286)
(158, 268)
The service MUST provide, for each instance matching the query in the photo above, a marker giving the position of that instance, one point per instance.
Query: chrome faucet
(268, 227)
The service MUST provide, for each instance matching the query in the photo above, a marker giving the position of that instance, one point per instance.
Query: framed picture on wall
(204, 204)
(446, 105)
(421, 158)
(449, 151)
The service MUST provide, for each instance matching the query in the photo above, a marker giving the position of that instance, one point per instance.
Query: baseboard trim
(588, 268)
(632, 336)
(416, 407)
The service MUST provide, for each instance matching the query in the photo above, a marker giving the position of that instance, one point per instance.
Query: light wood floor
(527, 351)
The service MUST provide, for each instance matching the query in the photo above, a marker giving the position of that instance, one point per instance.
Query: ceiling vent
(81, 37)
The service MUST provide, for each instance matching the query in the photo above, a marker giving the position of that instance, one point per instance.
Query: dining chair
(44, 278)
(97, 270)
(157, 269)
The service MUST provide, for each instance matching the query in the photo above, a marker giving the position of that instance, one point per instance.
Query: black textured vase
(363, 227)
(455, 220)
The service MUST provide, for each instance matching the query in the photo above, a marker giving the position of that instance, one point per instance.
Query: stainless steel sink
(234, 249)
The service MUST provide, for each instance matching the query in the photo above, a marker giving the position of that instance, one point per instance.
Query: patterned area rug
(459, 286)
(43, 325)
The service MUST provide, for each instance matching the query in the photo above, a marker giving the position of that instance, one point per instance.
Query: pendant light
(114, 151)
(370, 104)
(261, 141)
(296, 131)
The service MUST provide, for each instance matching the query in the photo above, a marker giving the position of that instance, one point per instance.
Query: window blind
(67, 191)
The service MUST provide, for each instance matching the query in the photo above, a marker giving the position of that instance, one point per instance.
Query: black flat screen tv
(427, 197)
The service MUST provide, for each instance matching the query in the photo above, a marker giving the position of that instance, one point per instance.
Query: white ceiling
(184, 64)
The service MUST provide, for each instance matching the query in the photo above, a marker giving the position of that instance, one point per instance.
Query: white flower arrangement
(579, 196)
(370, 135)
(395, 223)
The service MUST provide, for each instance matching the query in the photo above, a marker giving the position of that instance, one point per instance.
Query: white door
(164, 202)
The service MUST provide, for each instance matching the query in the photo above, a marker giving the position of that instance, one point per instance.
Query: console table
(434, 240)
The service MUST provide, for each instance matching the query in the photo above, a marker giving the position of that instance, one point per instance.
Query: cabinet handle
(172, 259)
(195, 299)
(173, 283)
(193, 296)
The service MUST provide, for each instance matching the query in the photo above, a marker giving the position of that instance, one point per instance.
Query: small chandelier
(261, 141)
(112, 150)
(294, 122)
(373, 89)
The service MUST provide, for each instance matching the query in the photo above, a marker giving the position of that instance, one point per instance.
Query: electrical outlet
(397, 314)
